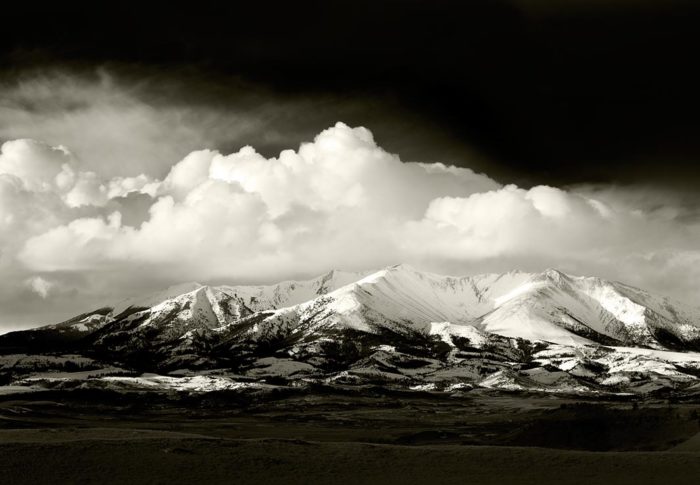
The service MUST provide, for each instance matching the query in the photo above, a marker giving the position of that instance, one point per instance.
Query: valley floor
(97, 456)
(347, 437)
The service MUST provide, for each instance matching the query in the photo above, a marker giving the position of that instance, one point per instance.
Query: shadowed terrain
(345, 437)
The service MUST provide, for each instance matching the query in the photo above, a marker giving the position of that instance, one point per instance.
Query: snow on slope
(184, 311)
(256, 298)
(289, 293)
(297, 328)
(152, 299)
(548, 306)
(597, 310)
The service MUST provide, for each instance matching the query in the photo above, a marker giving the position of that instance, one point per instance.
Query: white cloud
(339, 201)
(35, 163)
(340, 198)
(513, 221)
(40, 286)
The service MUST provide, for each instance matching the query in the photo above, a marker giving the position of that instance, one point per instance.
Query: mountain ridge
(490, 328)
(513, 304)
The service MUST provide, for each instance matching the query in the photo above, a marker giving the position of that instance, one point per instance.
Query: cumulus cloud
(340, 201)
(39, 168)
(549, 227)
(35, 163)
(40, 286)
(341, 197)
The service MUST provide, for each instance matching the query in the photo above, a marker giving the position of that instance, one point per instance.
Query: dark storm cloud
(556, 91)
(123, 119)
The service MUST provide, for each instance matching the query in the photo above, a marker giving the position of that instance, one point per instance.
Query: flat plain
(346, 436)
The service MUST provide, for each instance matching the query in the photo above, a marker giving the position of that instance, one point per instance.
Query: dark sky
(553, 92)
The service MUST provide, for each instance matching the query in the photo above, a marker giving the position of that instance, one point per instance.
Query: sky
(223, 143)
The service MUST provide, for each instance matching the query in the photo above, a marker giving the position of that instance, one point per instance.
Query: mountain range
(546, 331)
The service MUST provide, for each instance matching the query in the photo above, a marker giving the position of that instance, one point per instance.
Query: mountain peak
(553, 272)
(555, 275)
(402, 267)
(331, 275)
(150, 299)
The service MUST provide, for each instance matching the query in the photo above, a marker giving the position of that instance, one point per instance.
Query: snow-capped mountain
(549, 306)
(367, 325)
